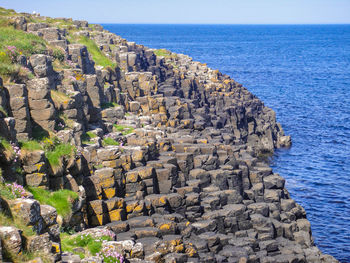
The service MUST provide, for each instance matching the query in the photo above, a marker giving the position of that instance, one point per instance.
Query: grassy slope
(96, 53)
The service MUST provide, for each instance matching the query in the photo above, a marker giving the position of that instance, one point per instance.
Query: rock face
(182, 180)
(41, 219)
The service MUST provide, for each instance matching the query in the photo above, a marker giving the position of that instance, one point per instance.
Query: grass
(86, 137)
(91, 244)
(107, 105)
(30, 146)
(61, 200)
(5, 192)
(25, 43)
(5, 144)
(99, 166)
(6, 12)
(6, 220)
(109, 141)
(162, 53)
(54, 149)
(97, 55)
(61, 150)
(125, 130)
(6, 148)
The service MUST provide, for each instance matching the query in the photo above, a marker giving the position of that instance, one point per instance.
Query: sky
(191, 11)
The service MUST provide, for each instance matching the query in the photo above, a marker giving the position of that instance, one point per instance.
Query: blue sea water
(303, 73)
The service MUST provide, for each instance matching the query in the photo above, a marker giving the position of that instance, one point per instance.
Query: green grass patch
(125, 130)
(62, 200)
(92, 245)
(6, 220)
(7, 12)
(99, 166)
(5, 144)
(31, 145)
(86, 137)
(162, 53)
(91, 135)
(61, 150)
(96, 53)
(109, 141)
(26, 43)
(107, 105)
(23, 43)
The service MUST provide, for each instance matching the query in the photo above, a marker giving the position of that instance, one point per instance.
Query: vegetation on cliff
(61, 200)
(99, 58)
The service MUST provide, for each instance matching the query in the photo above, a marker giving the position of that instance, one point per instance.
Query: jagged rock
(79, 54)
(11, 239)
(29, 210)
(42, 65)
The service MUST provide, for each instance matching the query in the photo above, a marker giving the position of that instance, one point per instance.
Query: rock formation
(183, 179)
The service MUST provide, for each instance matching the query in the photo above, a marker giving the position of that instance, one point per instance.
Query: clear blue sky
(191, 11)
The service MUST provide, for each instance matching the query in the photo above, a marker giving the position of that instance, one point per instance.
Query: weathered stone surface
(11, 239)
(186, 183)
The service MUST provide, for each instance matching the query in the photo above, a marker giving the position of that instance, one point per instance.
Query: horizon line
(228, 24)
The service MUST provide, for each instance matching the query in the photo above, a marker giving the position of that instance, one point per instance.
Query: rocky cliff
(165, 152)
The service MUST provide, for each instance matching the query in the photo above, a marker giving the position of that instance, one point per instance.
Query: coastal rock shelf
(168, 153)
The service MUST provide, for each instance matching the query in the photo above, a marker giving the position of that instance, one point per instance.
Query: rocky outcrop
(168, 155)
(42, 231)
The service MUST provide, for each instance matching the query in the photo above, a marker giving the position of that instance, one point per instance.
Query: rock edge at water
(184, 184)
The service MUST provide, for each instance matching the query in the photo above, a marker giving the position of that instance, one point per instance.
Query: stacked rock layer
(187, 182)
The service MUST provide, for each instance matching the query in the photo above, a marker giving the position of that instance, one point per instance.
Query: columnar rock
(79, 54)
(42, 110)
(173, 169)
(20, 110)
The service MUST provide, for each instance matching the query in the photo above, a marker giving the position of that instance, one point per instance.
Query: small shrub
(17, 190)
(61, 200)
(58, 53)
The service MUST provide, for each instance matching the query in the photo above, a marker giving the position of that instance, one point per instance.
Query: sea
(302, 72)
